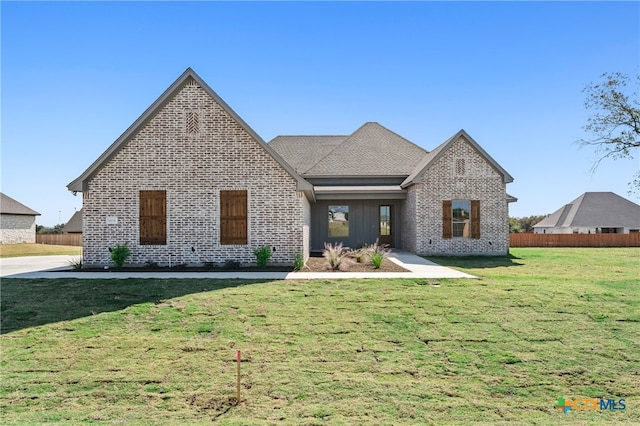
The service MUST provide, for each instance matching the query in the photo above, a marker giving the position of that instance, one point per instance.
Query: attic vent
(460, 167)
(192, 123)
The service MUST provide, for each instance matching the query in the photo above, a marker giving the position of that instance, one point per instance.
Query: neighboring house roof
(595, 209)
(10, 206)
(433, 156)
(372, 150)
(75, 223)
(79, 184)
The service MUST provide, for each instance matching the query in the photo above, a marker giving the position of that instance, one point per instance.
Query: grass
(538, 325)
(17, 250)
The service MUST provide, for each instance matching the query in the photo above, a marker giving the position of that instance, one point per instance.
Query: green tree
(514, 225)
(614, 125)
(57, 229)
(523, 224)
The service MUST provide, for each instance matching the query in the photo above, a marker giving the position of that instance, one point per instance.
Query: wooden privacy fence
(574, 240)
(60, 239)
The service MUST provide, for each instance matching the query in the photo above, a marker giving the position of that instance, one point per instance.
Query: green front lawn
(538, 325)
(18, 250)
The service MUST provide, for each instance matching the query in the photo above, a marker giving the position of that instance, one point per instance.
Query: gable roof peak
(79, 184)
(10, 206)
(430, 159)
(361, 154)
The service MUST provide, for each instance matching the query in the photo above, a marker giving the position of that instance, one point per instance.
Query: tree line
(518, 225)
(56, 229)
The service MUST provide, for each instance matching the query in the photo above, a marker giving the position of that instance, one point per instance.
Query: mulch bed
(314, 264)
(319, 264)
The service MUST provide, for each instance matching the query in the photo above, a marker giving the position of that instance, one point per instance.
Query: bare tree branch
(615, 123)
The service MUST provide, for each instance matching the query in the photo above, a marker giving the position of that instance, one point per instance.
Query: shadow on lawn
(30, 303)
(477, 262)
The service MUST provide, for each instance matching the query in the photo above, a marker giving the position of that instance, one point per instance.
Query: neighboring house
(17, 222)
(191, 182)
(74, 225)
(593, 213)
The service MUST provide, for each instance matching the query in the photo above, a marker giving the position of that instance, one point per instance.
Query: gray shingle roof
(302, 152)
(10, 206)
(372, 150)
(75, 223)
(595, 209)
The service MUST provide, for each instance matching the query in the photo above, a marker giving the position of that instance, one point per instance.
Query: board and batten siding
(363, 222)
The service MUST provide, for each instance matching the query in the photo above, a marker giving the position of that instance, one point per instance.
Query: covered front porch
(356, 216)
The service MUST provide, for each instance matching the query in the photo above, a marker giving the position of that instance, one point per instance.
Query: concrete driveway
(21, 265)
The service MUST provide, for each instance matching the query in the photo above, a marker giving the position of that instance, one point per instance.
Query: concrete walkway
(42, 266)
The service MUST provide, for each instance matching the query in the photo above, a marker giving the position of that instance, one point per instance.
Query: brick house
(191, 182)
(17, 222)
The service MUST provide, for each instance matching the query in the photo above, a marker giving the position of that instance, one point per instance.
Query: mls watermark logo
(590, 404)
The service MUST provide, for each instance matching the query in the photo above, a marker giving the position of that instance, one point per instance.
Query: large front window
(461, 219)
(338, 221)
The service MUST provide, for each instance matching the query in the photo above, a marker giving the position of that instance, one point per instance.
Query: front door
(385, 224)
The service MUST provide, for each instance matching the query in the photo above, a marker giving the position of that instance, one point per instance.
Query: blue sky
(75, 75)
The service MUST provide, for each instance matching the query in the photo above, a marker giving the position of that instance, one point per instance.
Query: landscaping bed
(314, 264)
(319, 264)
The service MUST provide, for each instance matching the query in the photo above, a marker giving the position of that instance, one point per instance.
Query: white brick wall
(193, 169)
(408, 224)
(16, 229)
(480, 182)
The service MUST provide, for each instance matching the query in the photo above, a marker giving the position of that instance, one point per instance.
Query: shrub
(76, 263)
(376, 259)
(299, 262)
(377, 253)
(119, 254)
(337, 257)
(263, 254)
(360, 255)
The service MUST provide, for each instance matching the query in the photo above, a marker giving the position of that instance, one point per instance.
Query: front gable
(465, 147)
(458, 173)
(195, 107)
(163, 187)
(188, 140)
(461, 163)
